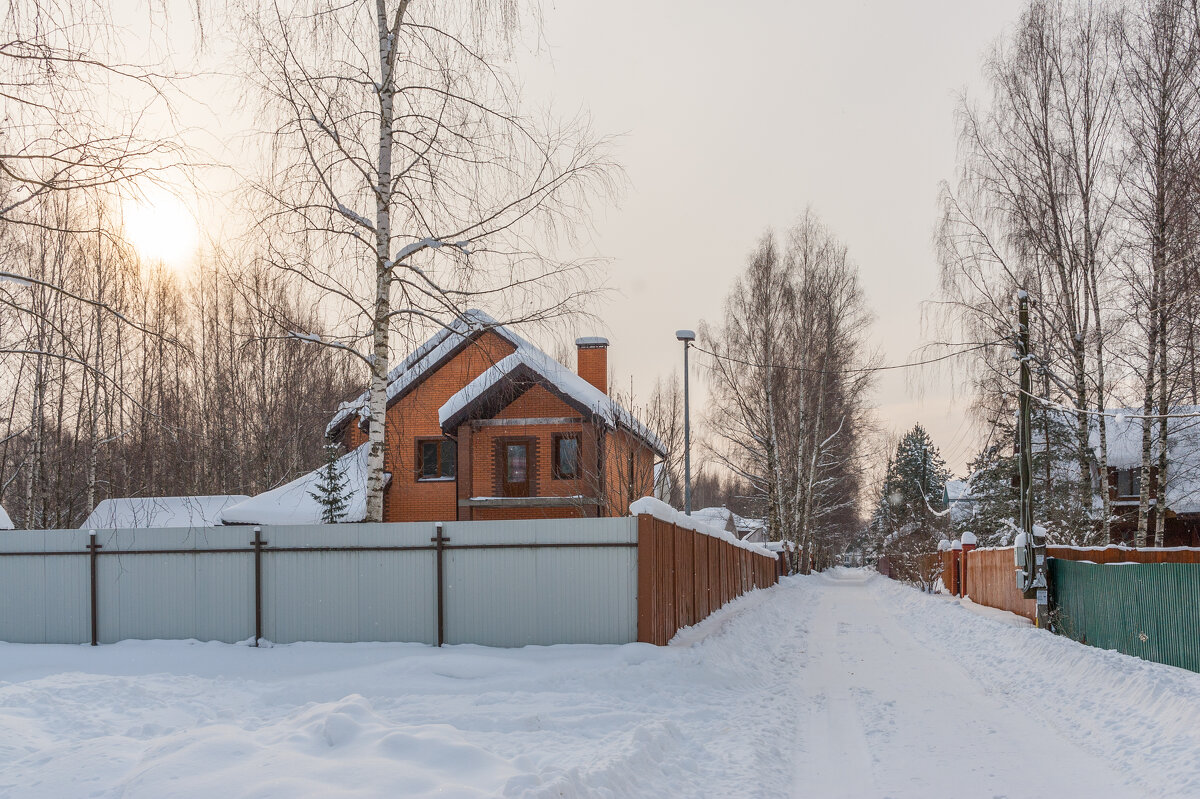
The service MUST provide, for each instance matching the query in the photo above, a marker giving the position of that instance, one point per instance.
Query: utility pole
(687, 337)
(1034, 582)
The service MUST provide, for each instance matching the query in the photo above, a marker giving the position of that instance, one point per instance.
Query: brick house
(481, 424)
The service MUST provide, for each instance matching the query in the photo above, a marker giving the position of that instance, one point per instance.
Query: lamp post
(687, 337)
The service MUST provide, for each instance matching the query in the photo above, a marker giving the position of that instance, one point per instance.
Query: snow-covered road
(881, 710)
(834, 685)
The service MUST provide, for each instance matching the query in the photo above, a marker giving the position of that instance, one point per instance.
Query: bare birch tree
(406, 182)
(790, 376)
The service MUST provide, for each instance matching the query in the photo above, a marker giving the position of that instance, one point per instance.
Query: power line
(864, 370)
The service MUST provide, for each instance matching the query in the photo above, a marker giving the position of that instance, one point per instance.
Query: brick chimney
(593, 361)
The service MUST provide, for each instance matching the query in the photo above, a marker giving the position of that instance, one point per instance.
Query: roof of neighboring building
(5, 521)
(1123, 439)
(527, 360)
(142, 512)
(717, 517)
(293, 502)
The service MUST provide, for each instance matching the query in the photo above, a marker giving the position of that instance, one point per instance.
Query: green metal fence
(1150, 610)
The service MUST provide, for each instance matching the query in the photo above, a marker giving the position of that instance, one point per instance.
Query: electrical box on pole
(1031, 561)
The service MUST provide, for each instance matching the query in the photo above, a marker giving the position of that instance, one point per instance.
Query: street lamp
(687, 337)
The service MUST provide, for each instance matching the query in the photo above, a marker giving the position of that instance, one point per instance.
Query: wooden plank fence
(990, 574)
(684, 576)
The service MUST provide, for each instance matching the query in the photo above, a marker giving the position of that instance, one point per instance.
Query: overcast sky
(736, 117)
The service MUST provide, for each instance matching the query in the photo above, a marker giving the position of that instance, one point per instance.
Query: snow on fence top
(293, 502)
(660, 510)
(5, 522)
(142, 512)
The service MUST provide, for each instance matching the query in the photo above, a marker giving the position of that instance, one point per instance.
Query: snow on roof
(559, 376)
(450, 338)
(140, 512)
(5, 521)
(664, 512)
(717, 517)
(293, 503)
(419, 361)
(1123, 434)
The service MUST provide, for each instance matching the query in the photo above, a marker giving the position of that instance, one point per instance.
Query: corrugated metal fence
(1143, 602)
(493, 583)
(501, 583)
(1151, 610)
(684, 576)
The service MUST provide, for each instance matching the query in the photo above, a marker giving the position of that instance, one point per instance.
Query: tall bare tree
(790, 376)
(406, 182)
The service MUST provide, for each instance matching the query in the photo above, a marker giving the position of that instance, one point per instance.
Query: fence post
(440, 541)
(968, 544)
(93, 552)
(258, 550)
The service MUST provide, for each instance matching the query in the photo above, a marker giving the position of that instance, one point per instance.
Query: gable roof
(527, 362)
(142, 512)
(5, 522)
(425, 359)
(293, 503)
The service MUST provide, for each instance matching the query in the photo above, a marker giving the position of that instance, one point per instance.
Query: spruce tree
(331, 487)
(913, 499)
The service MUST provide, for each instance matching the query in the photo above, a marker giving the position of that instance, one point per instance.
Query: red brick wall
(416, 416)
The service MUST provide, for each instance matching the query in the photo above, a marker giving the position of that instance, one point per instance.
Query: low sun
(161, 227)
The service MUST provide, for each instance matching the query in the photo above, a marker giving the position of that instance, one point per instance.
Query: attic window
(1129, 482)
(437, 459)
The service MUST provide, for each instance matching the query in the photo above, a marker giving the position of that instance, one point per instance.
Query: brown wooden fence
(990, 574)
(683, 576)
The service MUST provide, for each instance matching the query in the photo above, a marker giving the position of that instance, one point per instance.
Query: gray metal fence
(495, 583)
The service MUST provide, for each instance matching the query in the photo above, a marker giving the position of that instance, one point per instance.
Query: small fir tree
(331, 487)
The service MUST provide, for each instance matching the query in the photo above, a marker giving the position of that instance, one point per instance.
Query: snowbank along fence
(496, 583)
(1143, 602)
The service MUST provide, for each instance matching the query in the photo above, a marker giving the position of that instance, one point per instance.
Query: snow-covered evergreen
(913, 495)
(330, 491)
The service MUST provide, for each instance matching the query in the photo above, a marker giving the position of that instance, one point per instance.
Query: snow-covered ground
(836, 685)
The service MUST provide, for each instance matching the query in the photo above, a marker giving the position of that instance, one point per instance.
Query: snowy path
(878, 704)
(825, 686)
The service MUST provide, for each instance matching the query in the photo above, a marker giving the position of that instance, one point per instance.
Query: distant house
(141, 512)
(1123, 481)
(722, 518)
(752, 530)
(5, 521)
(481, 424)
(1123, 429)
(957, 497)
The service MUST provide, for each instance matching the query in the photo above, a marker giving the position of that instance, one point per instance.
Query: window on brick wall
(437, 459)
(517, 467)
(566, 455)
